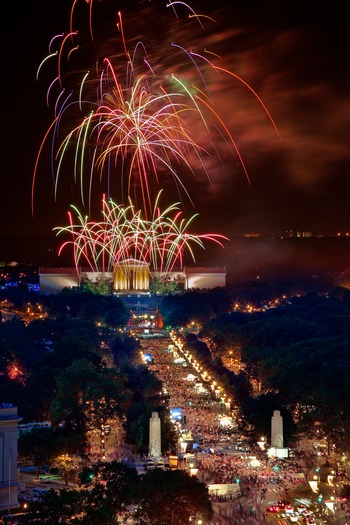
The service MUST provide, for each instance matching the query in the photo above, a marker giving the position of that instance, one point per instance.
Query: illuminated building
(131, 275)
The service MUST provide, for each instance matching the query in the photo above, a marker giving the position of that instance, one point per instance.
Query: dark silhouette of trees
(181, 310)
(114, 490)
(114, 483)
(172, 498)
(256, 413)
(299, 350)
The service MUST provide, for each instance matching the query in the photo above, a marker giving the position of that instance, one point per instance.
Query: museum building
(131, 275)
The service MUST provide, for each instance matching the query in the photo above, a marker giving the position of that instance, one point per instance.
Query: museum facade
(131, 276)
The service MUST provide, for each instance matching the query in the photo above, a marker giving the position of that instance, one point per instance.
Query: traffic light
(238, 480)
(319, 498)
(317, 470)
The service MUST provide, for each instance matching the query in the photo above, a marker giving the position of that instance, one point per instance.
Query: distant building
(304, 234)
(252, 235)
(300, 234)
(204, 277)
(130, 276)
(53, 280)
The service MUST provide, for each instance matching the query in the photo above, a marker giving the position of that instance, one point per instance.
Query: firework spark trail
(140, 129)
(123, 234)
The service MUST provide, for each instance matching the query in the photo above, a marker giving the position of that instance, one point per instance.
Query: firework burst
(140, 121)
(124, 234)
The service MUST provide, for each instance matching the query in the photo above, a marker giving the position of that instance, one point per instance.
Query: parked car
(273, 508)
(285, 505)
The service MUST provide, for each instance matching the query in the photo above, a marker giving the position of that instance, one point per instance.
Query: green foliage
(103, 284)
(125, 349)
(39, 445)
(83, 303)
(142, 382)
(184, 309)
(161, 287)
(137, 425)
(43, 445)
(300, 351)
(93, 309)
(219, 300)
(105, 397)
(172, 497)
(57, 508)
(116, 490)
(117, 483)
(67, 302)
(256, 413)
(117, 315)
(87, 396)
(87, 475)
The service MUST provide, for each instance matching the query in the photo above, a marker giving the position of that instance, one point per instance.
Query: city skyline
(296, 65)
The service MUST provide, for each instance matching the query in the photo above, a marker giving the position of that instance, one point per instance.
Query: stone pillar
(154, 436)
(8, 457)
(276, 430)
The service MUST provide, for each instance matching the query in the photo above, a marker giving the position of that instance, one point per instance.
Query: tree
(67, 302)
(70, 383)
(57, 508)
(182, 310)
(257, 412)
(101, 286)
(105, 398)
(219, 299)
(93, 310)
(116, 483)
(39, 445)
(142, 382)
(163, 286)
(125, 350)
(66, 464)
(117, 315)
(171, 498)
(40, 392)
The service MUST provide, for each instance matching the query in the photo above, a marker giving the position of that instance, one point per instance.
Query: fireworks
(131, 124)
(14, 372)
(141, 119)
(123, 235)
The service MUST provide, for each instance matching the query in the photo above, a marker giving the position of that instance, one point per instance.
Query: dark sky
(295, 59)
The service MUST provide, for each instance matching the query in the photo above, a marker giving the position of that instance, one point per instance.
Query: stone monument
(154, 436)
(276, 430)
(8, 456)
(277, 450)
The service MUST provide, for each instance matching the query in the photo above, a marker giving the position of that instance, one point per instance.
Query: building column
(8, 457)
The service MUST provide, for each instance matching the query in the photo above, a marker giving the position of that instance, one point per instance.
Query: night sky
(295, 59)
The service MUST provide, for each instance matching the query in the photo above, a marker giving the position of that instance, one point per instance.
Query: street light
(196, 520)
(262, 443)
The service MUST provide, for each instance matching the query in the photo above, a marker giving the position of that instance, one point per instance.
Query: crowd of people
(218, 460)
(202, 417)
(186, 389)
